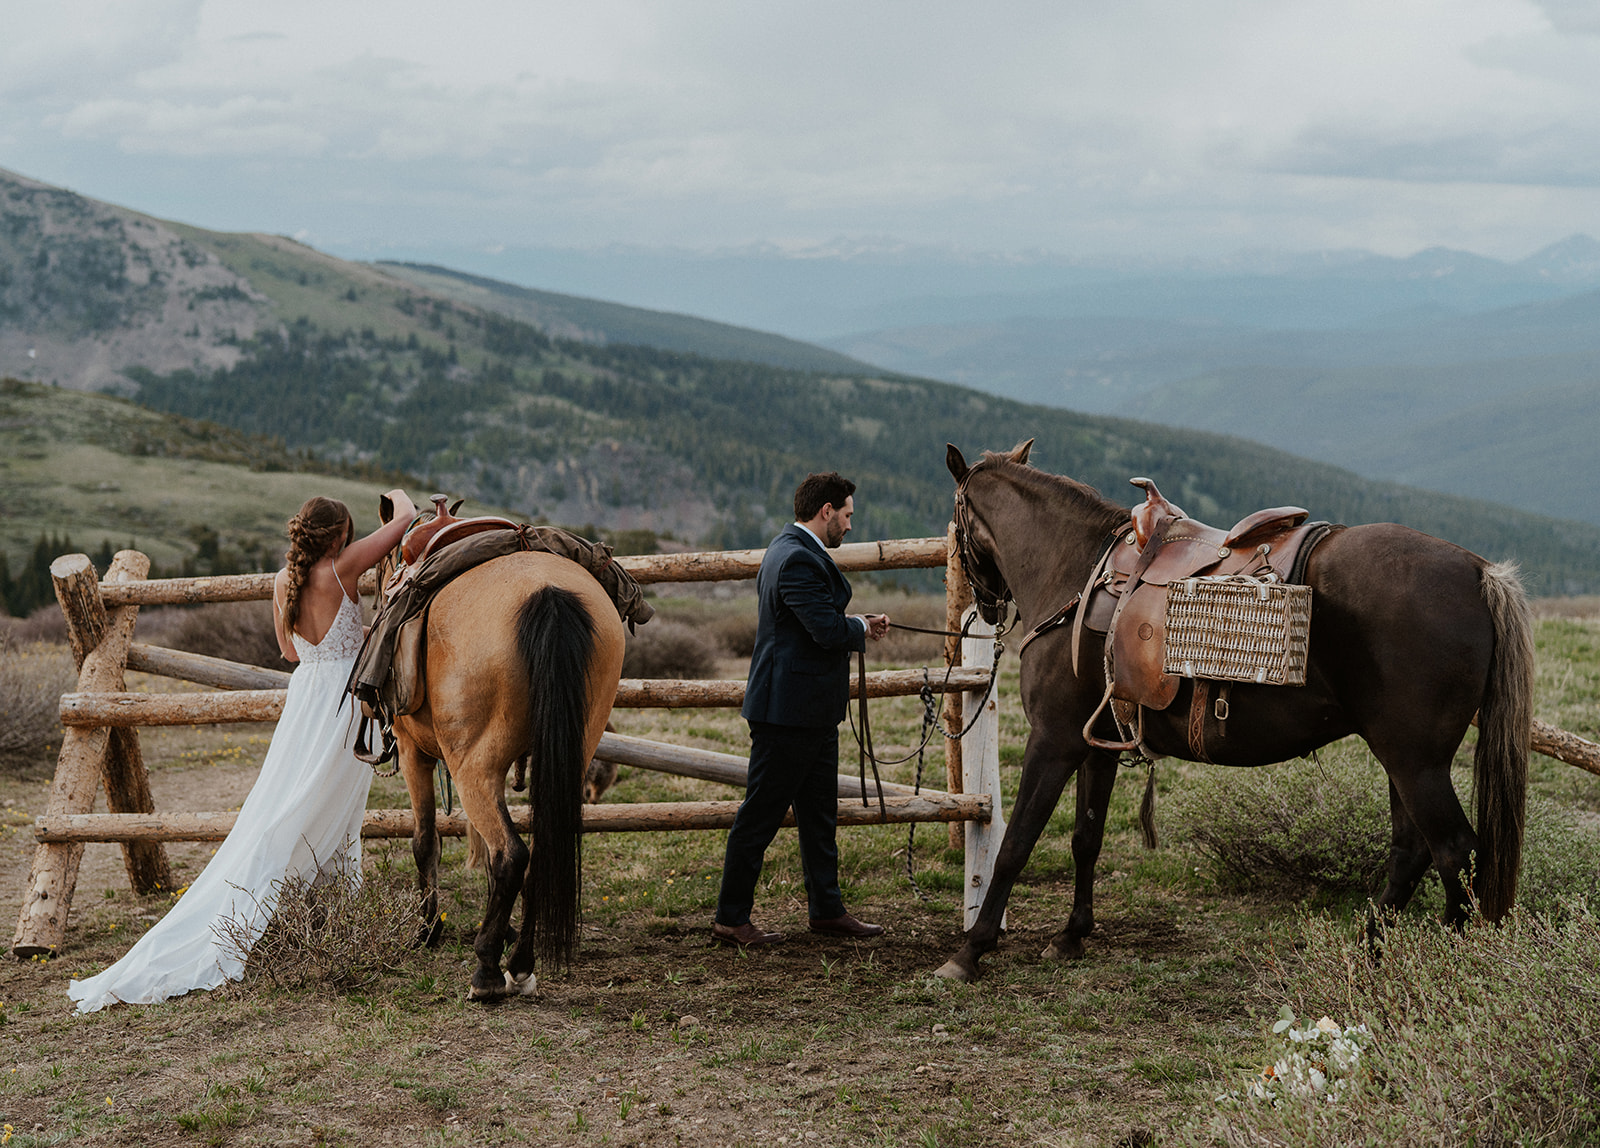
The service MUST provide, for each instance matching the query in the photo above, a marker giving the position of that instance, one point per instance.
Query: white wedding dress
(303, 816)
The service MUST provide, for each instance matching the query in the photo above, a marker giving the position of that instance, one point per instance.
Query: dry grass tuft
(336, 931)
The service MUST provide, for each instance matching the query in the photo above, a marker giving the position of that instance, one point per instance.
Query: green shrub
(1560, 860)
(1291, 828)
(1479, 1037)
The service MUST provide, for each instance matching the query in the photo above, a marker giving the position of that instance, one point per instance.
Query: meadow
(653, 1037)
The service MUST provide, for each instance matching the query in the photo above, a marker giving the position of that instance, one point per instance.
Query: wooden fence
(101, 720)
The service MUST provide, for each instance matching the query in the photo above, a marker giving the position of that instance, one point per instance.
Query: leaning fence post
(100, 642)
(980, 768)
(126, 780)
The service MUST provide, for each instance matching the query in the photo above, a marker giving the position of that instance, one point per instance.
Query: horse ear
(385, 508)
(1020, 454)
(957, 464)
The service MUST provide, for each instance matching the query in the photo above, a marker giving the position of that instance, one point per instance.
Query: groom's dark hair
(817, 491)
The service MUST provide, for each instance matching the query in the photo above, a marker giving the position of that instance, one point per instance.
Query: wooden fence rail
(703, 566)
(102, 717)
(631, 817)
(120, 710)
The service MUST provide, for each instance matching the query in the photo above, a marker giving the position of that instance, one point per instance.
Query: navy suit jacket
(800, 671)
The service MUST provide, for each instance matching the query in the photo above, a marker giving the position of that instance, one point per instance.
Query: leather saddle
(1126, 595)
(429, 536)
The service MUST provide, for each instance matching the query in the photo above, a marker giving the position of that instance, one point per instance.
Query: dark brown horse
(1410, 636)
(523, 657)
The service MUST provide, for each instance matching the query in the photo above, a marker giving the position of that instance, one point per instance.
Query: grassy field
(100, 469)
(652, 1037)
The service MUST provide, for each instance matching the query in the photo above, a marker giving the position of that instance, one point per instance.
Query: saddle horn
(1154, 508)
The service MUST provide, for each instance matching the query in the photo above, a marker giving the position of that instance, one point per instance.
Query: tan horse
(523, 657)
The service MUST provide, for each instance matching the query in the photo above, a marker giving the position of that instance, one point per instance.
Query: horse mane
(1055, 489)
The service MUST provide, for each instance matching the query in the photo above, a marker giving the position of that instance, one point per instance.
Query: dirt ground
(653, 1036)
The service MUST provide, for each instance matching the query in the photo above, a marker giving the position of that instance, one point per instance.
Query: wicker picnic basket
(1238, 629)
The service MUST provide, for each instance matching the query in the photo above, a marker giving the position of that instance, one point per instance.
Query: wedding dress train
(302, 816)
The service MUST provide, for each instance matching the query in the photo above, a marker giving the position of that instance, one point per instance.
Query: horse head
(974, 542)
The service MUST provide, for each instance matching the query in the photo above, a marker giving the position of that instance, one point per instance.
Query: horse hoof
(951, 971)
(526, 985)
(491, 991)
(1071, 951)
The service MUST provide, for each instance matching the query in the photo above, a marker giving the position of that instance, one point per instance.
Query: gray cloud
(1065, 125)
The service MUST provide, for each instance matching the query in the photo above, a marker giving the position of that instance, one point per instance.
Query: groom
(796, 696)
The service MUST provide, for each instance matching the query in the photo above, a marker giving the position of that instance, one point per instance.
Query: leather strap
(864, 743)
(1197, 719)
(1095, 573)
(1051, 622)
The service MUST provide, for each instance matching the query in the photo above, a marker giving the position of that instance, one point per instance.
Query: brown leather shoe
(846, 926)
(743, 935)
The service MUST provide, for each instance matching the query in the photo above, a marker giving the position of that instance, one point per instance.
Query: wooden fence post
(957, 597)
(980, 767)
(100, 643)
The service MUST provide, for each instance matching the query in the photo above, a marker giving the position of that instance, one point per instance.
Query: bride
(304, 812)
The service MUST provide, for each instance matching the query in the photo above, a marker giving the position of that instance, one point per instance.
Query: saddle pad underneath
(1238, 629)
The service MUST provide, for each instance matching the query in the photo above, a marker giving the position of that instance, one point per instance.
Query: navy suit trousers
(789, 766)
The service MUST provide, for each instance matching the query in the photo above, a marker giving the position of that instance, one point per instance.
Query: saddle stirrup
(1101, 743)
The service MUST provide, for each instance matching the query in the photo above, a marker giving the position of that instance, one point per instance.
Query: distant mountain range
(1445, 370)
(378, 366)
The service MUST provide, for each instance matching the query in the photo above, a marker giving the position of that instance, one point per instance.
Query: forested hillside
(711, 450)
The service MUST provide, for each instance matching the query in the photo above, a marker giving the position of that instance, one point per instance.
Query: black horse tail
(1505, 733)
(555, 638)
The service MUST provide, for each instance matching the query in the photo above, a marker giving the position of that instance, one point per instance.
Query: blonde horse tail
(556, 640)
(1505, 724)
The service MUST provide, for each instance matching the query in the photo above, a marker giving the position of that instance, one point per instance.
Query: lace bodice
(341, 643)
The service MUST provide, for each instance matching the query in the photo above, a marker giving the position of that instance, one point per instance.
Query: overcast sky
(1182, 128)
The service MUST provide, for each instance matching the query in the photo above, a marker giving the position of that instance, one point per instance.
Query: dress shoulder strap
(339, 580)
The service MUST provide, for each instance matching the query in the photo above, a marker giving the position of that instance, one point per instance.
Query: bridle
(993, 604)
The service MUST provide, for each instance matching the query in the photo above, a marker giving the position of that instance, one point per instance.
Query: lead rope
(930, 718)
(864, 741)
(930, 722)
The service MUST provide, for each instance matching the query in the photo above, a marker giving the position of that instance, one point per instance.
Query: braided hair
(321, 523)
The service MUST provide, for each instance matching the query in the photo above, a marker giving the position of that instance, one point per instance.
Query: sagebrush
(1311, 824)
(235, 631)
(32, 680)
(1323, 825)
(666, 649)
